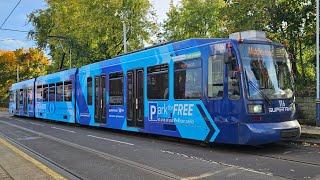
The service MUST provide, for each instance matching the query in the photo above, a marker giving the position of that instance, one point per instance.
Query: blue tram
(22, 98)
(55, 96)
(237, 90)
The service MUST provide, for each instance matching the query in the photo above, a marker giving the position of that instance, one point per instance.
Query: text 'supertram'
(237, 90)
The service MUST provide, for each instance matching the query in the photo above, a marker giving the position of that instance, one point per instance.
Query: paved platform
(310, 131)
(310, 135)
(15, 164)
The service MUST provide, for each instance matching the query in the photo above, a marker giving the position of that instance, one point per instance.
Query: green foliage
(92, 29)
(288, 22)
(194, 19)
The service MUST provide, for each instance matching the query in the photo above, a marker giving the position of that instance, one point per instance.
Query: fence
(306, 110)
(4, 106)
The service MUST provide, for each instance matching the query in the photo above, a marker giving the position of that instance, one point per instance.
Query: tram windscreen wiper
(257, 89)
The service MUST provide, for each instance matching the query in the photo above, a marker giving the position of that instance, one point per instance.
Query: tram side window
(39, 93)
(215, 76)
(16, 95)
(11, 97)
(233, 79)
(116, 88)
(89, 93)
(158, 82)
(188, 79)
(30, 95)
(45, 92)
(67, 91)
(59, 91)
(21, 96)
(52, 92)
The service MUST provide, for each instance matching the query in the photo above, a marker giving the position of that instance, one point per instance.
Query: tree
(8, 66)
(288, 22)
(194, 19)
(93, 29)
(31, 63)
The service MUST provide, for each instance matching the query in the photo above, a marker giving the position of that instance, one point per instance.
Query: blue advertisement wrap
(171, 90)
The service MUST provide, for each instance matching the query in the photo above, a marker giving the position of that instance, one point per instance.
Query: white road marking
(63, 129)
(36, 124)
(205, 175)
(104, 155)
(221, 163)
(111, 140)
(29, 138)
(20, 120)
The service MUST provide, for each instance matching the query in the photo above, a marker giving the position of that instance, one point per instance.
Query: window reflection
(188, 79)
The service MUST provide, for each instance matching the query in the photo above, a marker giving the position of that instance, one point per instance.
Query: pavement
(310, 131)
(15, 164)
(310, 135)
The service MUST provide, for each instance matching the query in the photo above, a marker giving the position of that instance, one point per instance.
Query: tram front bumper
(264, 133)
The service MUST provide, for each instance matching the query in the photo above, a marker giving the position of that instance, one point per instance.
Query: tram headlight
(255, 108)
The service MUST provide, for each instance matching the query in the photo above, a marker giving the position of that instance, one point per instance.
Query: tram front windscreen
(267, 71)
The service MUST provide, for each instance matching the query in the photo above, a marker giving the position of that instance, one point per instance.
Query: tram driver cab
(264, 69)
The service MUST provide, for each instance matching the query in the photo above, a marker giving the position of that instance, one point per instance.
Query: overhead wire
(10, 14)
(11, 39)
(14, 30)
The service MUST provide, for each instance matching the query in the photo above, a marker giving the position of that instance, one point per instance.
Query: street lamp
(123, 16)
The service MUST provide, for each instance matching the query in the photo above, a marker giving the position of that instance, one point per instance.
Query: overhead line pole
(70, 50)
(317, 53)
(18, 79)
(124, 37)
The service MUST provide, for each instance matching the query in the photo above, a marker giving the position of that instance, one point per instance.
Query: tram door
(100, 99)
(17, 101)
(25, 101)
(135, 98)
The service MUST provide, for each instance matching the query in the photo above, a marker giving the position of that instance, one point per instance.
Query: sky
(18, 20)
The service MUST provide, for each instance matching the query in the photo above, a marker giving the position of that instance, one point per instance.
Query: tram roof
(153, 51)
(57, 74)
(22, 84)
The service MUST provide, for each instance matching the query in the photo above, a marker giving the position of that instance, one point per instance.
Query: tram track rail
(273, 157)
(199, 143)
(279, 158)
(286, 159)
(104, 155)
(180, 141)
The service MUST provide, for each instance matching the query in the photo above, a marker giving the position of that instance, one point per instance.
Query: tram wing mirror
(235, 74)
(229, 54)
(235, 82)
(229, 58)
(291, 57)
